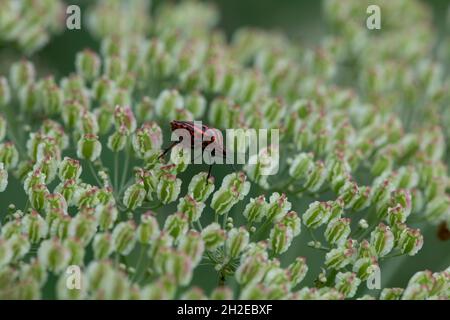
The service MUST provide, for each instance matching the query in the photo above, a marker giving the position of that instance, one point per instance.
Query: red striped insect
(200, 135)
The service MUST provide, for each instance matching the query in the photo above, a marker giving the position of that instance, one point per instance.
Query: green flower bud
(106, 215)
(20, 246)
(86, 196)
(317, 214)
(256, 209)
(83, 226)
(134, 195)
(102, 246)
(120, 97)
(194, 293)
(262, 165)
(163, 241)
(337, 231)
(71, 113)
(3, 177)
(176, 225)
(167, 104)
(124, 237)
(190, 207)
(58, 222)
(124, 117)
(69, 169)
(349, 192)
(340, 257)
(382, 165)
(396, 214)
(316, 177)
(88, 64)
(9, 155)
(76, 251)
(361, 200)
(102, 89)
(236, 242)
(251, 270)
(406, 178)
(293, 222)
(192, 245)
(180, 157)
(438, 208)
(213, 236)
(278, 207)
(98, 274)
(38, 195)
(64, 293)
(411, 241)
(276, 276)
(180, 267)
(150, 181)
(5, 92)
(35, 270)
(391, 293)
(89, 147)
(34, 226)
(148, 230)
(105, 117)
(3, 127)
(382, 240)
(297, 271)
(301, 165)
(29, 98)
(11, 228)
(347, 283)
(440, 284)
(67, 189)
(147, 140)
(221, 114)
(280, 238)
(22, 73)
(118, 140)
(115, 67)
(168, 188)
(254, 292)
(163, 288)
(53, 255)
(221, 293)
(365, 267)
(381, 191)
(51, 96)
(144, 109)
(196, 104)
(223, 200)
(6, 253)
(199, 188)
(415, 292)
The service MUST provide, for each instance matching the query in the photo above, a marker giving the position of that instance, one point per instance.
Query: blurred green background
(302, 21)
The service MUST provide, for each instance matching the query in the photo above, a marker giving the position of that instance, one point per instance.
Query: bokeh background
(302, 21)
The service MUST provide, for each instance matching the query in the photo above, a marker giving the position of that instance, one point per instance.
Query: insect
(200, 135)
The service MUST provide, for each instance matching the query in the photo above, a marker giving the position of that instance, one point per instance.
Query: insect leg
(209, 172)
(168, 149)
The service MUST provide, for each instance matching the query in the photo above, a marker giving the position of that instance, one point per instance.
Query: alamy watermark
(373, 21)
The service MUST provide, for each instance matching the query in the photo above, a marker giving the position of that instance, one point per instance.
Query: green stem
(125, 169)
(94, 174)
(137, 275)
(116, 170)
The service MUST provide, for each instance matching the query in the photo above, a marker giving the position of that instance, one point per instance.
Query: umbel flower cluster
(363, 120)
